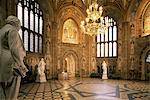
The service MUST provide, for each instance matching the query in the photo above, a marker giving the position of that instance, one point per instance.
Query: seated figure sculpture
(40, 71)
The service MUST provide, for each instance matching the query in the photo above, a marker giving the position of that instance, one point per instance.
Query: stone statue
(119, 61)
(104, 76)
(40, 74)
(12, 53)
(48, 66)
(132, 47)
(47, 47)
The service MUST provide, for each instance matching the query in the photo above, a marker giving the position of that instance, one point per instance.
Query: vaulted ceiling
(112, 8)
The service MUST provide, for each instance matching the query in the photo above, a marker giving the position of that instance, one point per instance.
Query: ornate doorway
(147, 66)
(70, 62)
(70, 65)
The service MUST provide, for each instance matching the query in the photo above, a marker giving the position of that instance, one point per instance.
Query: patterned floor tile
(86, 89)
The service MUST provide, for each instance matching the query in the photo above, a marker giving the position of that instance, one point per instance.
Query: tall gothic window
(31, 18)
(107, 41)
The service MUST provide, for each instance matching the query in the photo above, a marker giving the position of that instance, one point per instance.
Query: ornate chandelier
(94, 23)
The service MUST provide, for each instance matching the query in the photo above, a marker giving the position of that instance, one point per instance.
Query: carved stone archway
(143, 62)
(70, 63)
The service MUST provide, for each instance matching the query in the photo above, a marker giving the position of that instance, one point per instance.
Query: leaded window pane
(98, 50)
(31, 21)
(20, 13)
(110, 33)
(41, 24)
(114, 49)
(102, 50)
(26, 40)
(106, 35)
(110, 49)
(26, 17)
(102, 37)
(40, 45)
(31, 42)
(36, 43)
(106, 49)
(30, 15)
(36, 23)
(98, 38)
(114, 33)
(25, 2)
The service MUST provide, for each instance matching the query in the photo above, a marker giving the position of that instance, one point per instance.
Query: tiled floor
(86, 89)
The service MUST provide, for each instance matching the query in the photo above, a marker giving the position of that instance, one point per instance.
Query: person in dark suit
(98, 69)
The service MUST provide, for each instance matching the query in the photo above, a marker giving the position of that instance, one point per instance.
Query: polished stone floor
(86, 89)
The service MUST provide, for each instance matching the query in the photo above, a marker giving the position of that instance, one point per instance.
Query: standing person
(40, 74)
(98, 69)
(101, 72)
(12, 53)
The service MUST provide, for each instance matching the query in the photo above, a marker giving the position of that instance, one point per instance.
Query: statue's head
(104, 61)
(14, 21)
(42, 59)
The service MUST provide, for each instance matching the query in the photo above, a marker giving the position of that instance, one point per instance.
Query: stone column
(83, 67)
(59, 53)
(59, 62)
(93, 58)
(125, 48)
(48, 46)
(54, 49)
(48, 59)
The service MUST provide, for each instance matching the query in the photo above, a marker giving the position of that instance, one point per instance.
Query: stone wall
(131, 45)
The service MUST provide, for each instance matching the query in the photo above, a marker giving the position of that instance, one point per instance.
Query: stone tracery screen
(70, 32)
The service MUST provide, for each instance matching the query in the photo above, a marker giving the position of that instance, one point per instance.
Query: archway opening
(70, 65)
(147, 66)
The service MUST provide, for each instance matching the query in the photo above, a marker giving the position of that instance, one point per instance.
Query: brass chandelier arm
(94, 23)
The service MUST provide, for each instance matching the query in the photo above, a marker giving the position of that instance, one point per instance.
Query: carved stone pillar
(54, 49)
(125, 47)
(93, 58)
(83, 67)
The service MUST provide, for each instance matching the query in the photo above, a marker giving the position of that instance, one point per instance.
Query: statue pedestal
(41, 78)
(104, 76)
(63, 76)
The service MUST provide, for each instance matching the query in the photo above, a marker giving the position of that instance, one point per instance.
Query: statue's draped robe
(104, 76)
(40, 74)
(12, 53)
